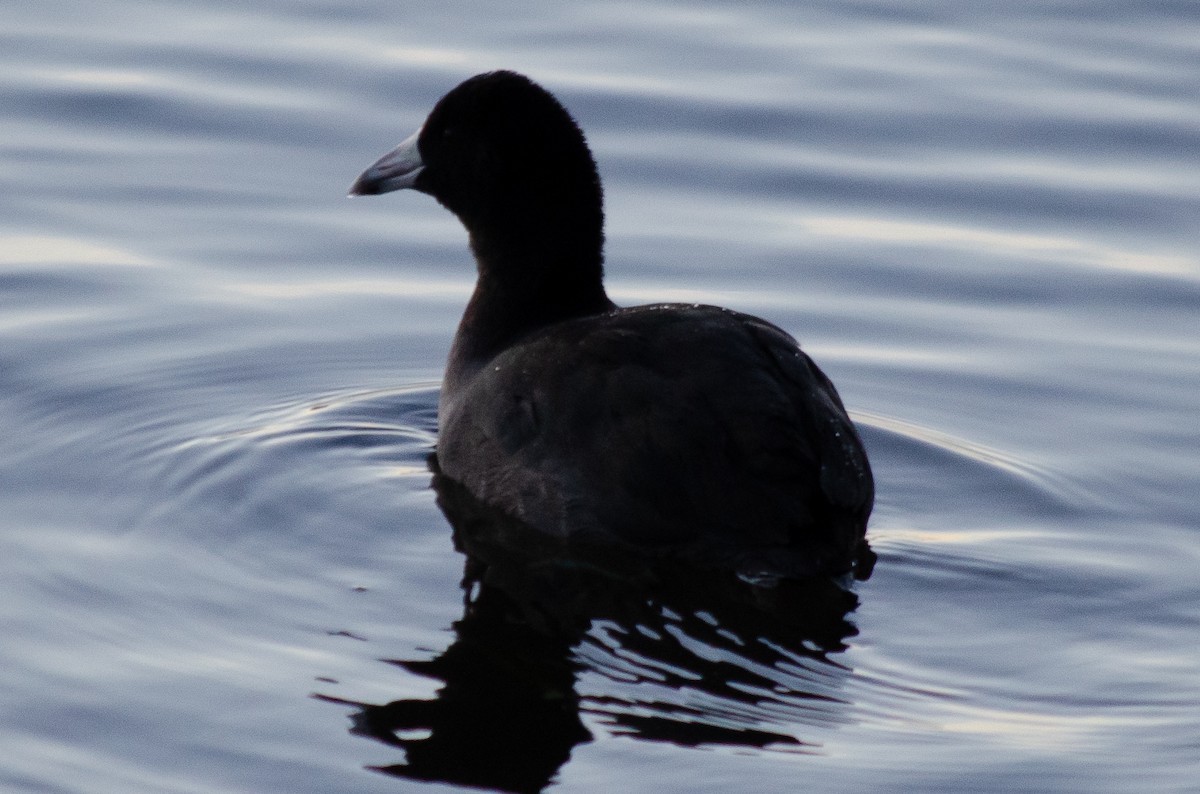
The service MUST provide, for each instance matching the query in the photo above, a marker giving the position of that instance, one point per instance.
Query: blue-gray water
(218, 381)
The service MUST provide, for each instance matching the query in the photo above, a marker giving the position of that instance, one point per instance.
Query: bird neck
(522, 288)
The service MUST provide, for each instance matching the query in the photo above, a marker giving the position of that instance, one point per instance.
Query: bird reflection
(685, 656)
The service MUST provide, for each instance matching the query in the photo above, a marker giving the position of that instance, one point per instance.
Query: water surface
(225, 569)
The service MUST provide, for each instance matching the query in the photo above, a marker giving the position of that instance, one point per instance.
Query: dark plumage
(692, 431)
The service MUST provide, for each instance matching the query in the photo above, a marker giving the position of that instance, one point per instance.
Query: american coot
(681, 430)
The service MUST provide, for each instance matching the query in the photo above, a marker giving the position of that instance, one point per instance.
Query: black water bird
(691, 432)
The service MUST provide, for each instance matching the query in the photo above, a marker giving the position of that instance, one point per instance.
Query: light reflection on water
(218, 378)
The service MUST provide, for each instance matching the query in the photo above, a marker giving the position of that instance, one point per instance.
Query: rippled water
(222, 567)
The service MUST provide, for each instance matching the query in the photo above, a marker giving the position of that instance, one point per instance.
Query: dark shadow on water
(683, 656)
